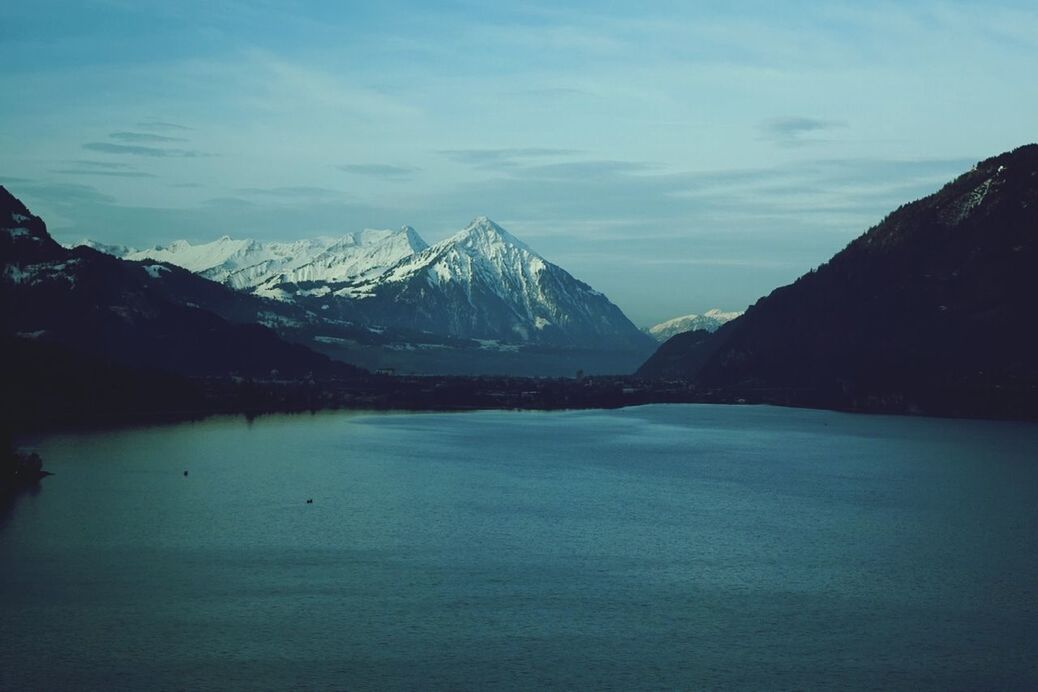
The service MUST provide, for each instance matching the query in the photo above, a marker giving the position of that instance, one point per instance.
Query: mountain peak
(482, 232)
(9, 204)
(416, 241)
(1026, 154)
(24, 230)
(483, 224)
(711, 321)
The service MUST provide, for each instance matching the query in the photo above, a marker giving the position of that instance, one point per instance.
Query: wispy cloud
(551, 92)
(292, 192)
(143, 137)
(110, 169)
(582, 170)
(229, 203)
(65, 197)
(794, 131)
(500, 158)
(139, 150)
(107, 165)
(378, 170)
(159, 126)
(102, 173)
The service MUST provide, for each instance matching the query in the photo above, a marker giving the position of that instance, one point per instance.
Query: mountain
(133, 314)
(355, 257)
(255, 266)
(930, 310)
(479, 302)
(710, 321)
(483, 283)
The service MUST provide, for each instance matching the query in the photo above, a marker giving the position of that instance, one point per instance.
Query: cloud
(64, 197)
(108, 165)
(582, 170)
(102, 173)
(292, 192)
(110, 169)
(159, 126)
(143, 137)
(138, 150)
(231, 203)
(77, 211)
(551, 92)
(503, 158)
(378, 170)
(792, 131)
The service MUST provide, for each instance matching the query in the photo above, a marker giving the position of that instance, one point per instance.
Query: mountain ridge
(120, 311)
(480, 283)
(925, 311)
(711, 321)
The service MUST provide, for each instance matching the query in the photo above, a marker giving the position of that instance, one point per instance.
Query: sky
(677, 156)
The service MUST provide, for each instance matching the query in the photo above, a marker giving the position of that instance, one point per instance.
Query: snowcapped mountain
(484, 283)
(710, 320)
(354, 257)
(482, 286)
(254, 266)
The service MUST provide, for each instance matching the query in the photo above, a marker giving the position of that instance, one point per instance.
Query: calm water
(663, 546)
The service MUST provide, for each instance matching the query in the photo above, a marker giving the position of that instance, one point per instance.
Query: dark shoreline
(199, 398)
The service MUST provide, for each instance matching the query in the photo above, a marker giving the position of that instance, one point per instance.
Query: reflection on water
(663, 546)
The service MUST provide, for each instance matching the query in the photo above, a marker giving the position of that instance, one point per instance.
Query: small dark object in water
(21, 469)
(185, 473)
(310, 501)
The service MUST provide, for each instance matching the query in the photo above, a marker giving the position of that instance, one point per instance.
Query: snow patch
(961, 209)
(35, 274)
(155, 270)
(495, 345)
(274, 320)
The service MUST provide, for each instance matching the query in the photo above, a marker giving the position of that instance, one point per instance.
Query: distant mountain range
(711, 321)
(931, 310)
(479, 301)
(260, 268)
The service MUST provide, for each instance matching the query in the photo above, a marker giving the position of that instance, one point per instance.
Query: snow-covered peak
(246, 264)
(481, 249)
(483, 282)
(711, 320)
(482, 234)
(416, 241)
(360, 256)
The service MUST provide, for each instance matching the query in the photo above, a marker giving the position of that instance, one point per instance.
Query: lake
(686, 546)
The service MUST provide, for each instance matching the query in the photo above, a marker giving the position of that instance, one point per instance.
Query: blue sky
(677, 157)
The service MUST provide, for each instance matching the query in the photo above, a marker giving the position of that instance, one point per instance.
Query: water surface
(661, 546)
